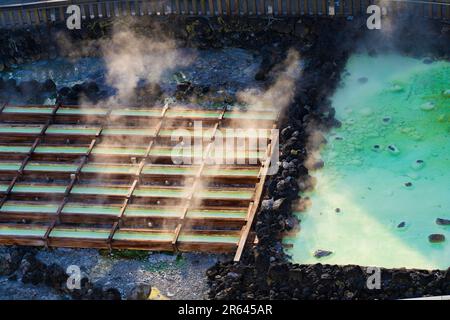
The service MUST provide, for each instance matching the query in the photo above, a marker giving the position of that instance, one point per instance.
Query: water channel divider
(254, 205)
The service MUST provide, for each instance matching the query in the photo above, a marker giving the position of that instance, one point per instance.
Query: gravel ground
(14, 290)
(179, 276)
(176, 276)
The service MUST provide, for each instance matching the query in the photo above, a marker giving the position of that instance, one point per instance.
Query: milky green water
(372, 180)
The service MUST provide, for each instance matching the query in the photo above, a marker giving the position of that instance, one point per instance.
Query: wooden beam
(258, 194)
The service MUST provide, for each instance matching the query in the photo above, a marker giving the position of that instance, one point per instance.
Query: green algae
(105, 191)
(61, 149)
(14, 149)
(29, 208)
(119, 151)
(250, 116)
(22, 232)
(388, 163)
(79, 234)
(53, 167)
(128, 132)
(91, 209)
(109, 169)
(169, 170)
(192, 114)
(31, 110)
(232, 214)
(225, 194)
(208, 238)
(20, 129)
(143, 236)
(230, 172)
(82, 111)
(137, 112)
(159, 192)
(133, 211)
(72, 130)
(10, 166)
(23, 188)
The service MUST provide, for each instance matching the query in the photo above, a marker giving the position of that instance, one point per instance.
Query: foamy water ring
(427, 106)
(392, 149)
(418, 164)
(396, 88)
(376, 148)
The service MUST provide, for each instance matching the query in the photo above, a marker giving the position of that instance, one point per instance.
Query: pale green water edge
(405, 104)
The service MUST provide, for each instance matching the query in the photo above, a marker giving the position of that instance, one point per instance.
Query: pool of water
(387, 169)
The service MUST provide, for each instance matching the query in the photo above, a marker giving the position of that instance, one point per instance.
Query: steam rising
(278, 96)
(131, 58)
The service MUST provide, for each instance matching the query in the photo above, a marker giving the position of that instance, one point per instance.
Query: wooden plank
(315, 7)
(228, 7)
(212, 9)
(245, 9)
(203, 7)
(448, 10)
(194, 7)
(357, 9)
(244, 234)
(238, 10)
(257, 197)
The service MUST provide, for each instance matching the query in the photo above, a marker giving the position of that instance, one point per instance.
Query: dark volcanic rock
(401, 224)
(436, 237)
(10, 259)
(363, 80)
(443, 222)
(140, 292)
(322, 253)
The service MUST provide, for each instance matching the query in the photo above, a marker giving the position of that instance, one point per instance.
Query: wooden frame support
(106, 201)
(257, 197)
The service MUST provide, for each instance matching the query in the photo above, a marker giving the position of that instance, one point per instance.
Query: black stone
(322, 253)
(442, 222)
(401, 224)
(436, 238)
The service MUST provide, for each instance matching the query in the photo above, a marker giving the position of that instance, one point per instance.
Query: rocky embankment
(264, 271)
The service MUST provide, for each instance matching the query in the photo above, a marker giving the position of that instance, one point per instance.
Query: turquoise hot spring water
(386, 177)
